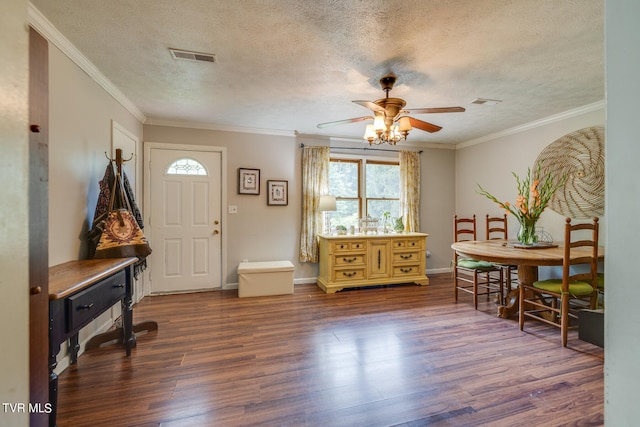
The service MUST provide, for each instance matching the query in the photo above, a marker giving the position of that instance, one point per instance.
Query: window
(186, 167)
(364, 187)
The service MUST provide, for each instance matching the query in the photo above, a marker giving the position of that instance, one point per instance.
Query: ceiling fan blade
(370, 105)
(344, 122)
(434, 110)
(425, 126)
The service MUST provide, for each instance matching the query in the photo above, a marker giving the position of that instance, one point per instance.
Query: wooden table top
(499, 251)
(72, 276)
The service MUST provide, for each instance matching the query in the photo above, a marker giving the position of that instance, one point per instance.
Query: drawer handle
(341, 246)
(406, 270)
(353, 273)
(86, 306)
(119, 285)
(349, 260)
(406, 256)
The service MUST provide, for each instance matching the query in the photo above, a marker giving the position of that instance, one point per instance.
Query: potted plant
(534, 194)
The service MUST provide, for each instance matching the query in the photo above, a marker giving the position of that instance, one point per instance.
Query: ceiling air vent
(192, 56)
(485, 101)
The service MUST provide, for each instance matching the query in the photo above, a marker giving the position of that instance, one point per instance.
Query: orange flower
(534, 193)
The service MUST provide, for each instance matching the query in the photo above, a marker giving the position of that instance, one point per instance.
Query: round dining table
(527, 258)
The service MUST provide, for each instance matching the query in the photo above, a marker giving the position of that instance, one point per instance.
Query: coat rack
(118, 333)
(118, 160)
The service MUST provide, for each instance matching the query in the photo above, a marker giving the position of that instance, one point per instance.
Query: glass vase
(527, 233)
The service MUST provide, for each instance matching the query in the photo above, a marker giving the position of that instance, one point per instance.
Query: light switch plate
(233, 209)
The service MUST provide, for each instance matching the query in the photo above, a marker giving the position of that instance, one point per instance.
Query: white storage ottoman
(265, 278)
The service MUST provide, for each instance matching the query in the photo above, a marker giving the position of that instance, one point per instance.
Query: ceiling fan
(388, 111)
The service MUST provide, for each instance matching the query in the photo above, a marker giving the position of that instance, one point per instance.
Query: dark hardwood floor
(388, 356)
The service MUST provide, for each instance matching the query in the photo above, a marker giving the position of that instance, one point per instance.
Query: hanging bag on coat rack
(119, 233)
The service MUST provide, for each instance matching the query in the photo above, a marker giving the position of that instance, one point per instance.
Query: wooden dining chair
(497, 229)
(470, 275)
(551, 300)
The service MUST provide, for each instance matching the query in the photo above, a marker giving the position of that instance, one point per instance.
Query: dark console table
(80, 291)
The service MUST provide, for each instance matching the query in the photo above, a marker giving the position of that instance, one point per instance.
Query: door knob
(216, 232)
(36, 290)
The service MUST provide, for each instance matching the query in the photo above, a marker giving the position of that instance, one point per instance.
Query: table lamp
(327, 203)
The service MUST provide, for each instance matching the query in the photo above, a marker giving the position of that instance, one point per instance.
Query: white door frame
(148, 146)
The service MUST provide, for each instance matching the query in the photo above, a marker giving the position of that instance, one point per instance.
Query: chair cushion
(555, 285)
(600, 280)
(475, 264)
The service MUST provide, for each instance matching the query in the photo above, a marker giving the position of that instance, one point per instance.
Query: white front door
(185, 219)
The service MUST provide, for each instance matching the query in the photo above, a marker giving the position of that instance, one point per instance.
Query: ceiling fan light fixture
(378, 124)
(369, 133)
(389, 135)
(389, 127)
(404, 124)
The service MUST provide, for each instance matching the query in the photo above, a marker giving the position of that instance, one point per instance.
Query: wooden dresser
(377, 259)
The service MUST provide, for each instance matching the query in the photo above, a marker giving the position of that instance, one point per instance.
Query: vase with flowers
(534, 194)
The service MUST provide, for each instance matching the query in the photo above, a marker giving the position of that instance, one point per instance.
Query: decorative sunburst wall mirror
(580, 156)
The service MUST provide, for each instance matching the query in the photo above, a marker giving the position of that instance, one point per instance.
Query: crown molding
(532, 125)
(212, 126)
(41, 24)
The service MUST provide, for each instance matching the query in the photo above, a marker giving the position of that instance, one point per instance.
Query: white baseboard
(300, 281)
(439, 270)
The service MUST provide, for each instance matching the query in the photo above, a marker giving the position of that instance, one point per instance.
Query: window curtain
(410, 190)
(315, 182)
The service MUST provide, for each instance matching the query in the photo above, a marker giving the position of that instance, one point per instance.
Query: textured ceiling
(289, 65)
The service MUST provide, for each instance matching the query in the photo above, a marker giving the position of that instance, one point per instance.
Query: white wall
(622, 299)
(14, 209)
(80, 118)
(437, 206)
(259, 232)
(491, 162)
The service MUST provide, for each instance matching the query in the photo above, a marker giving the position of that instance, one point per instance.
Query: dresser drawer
(93, 301)
(406, 256)
(407, 270)
(345, 275)
(349, 246)
(408, 243)
(349, 259)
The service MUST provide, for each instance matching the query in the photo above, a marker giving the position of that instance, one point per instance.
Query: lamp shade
(327, 203)
(378, 124)
(369, 133)
(405, 124)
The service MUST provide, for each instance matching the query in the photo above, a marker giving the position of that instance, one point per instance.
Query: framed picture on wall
(248, 181)
(277, 193)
